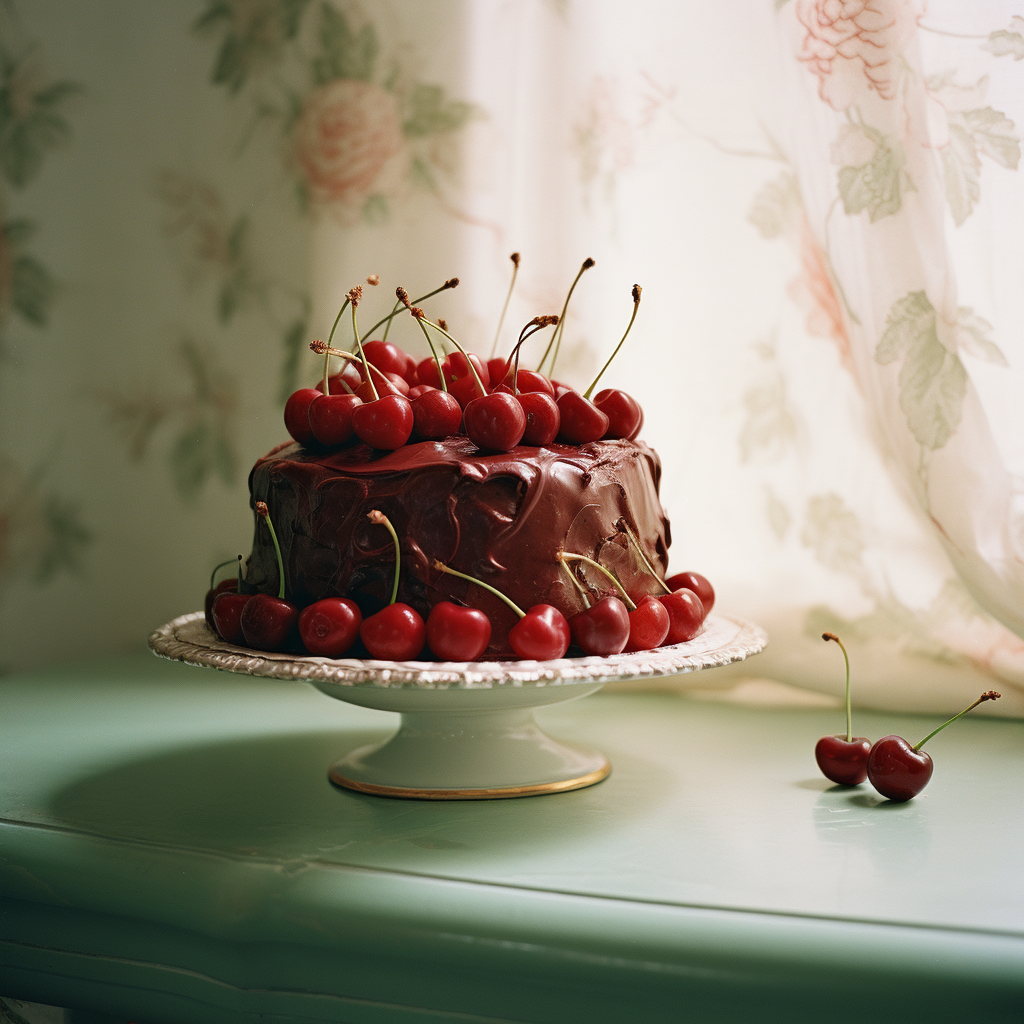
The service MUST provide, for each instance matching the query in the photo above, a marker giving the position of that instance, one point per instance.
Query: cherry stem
(453, 283)
(562, 555)
(472, 579)
(508, 298)
(362, 355)
(636, 306)
(433, 352)
(238, 579)
(217, 568)
(988, 695)
(643, 558)
(560, 327)
(261, 509)
(319, 346)
(849, 713)
(580, 589)
(538, 323)
(330, 338)
(382, 520)
(469, 362)
(390, 320)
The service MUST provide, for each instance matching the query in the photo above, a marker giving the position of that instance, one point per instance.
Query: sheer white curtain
(821, 201)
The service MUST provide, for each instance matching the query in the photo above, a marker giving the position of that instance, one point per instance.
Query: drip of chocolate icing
(501, 517)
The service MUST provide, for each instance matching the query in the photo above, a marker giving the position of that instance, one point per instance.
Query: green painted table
(171, 851)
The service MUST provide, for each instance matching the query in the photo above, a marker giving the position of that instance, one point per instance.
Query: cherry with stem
(556, 336)
(216, 589)
(541, 634)
(601, 629)
(843, 760)
(267, 622)
(900, 771)
(397, 632)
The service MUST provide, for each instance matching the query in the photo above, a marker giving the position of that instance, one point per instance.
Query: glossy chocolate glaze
(500, 517)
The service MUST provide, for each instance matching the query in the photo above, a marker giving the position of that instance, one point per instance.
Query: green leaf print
(834, 533)
(973, 133)
(776, 206)
(1007, 42)
(254, 39)
(430, 113)
(66, 538)
(993, 133)
(30, 122)
(344, 53)
(875, 186)
(932, 378)
(32, 290)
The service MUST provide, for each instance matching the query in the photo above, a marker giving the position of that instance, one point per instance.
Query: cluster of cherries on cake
(384, 398)
(896, 769)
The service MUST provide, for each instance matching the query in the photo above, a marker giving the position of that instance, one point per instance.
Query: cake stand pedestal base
(469, 756)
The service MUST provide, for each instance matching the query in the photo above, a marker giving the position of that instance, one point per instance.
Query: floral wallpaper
(42, 531)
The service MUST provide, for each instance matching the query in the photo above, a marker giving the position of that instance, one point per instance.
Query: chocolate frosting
(501, 517)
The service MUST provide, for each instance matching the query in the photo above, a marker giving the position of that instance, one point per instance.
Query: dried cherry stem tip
(441, 567)
(262, 510)
(563, 555)
(382, 520)
(846, 658)
(987, 695)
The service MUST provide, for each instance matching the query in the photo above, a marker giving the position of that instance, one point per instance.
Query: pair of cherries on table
(897, 769)
(524, 407)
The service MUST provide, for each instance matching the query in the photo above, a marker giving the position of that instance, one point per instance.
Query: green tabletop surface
(171, 851)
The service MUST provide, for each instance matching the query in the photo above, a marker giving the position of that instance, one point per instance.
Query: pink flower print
(814, 292)
(855, 46)
(346, 134)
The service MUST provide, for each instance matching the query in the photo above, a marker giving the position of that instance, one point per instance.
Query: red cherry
(560, 389)
(900, 771)
(385, 355)
(409, 369)
(398, 382)
(386, 423)
(495, 368)
(436, 414)
(419, 389)
(495, 422)
(225, 586)
(384, 388)
(582, 421)
(456, 367)
(455, 633)
(267, 622)
(541, 634)
(330, 417)
(227, 616)
(542, 417)
(648, 625)
(464, 390)
(529, 381)
(842, 761)
(685, 614)
(395, 633)
(426, 372)
(625, 417)
(698, 584)
(896, 770)
(602, 629)
(328, 628)
(296, 414)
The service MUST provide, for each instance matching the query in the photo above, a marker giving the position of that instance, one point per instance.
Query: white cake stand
(467, 730)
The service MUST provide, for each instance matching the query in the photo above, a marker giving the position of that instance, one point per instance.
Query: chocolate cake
(502, 518)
